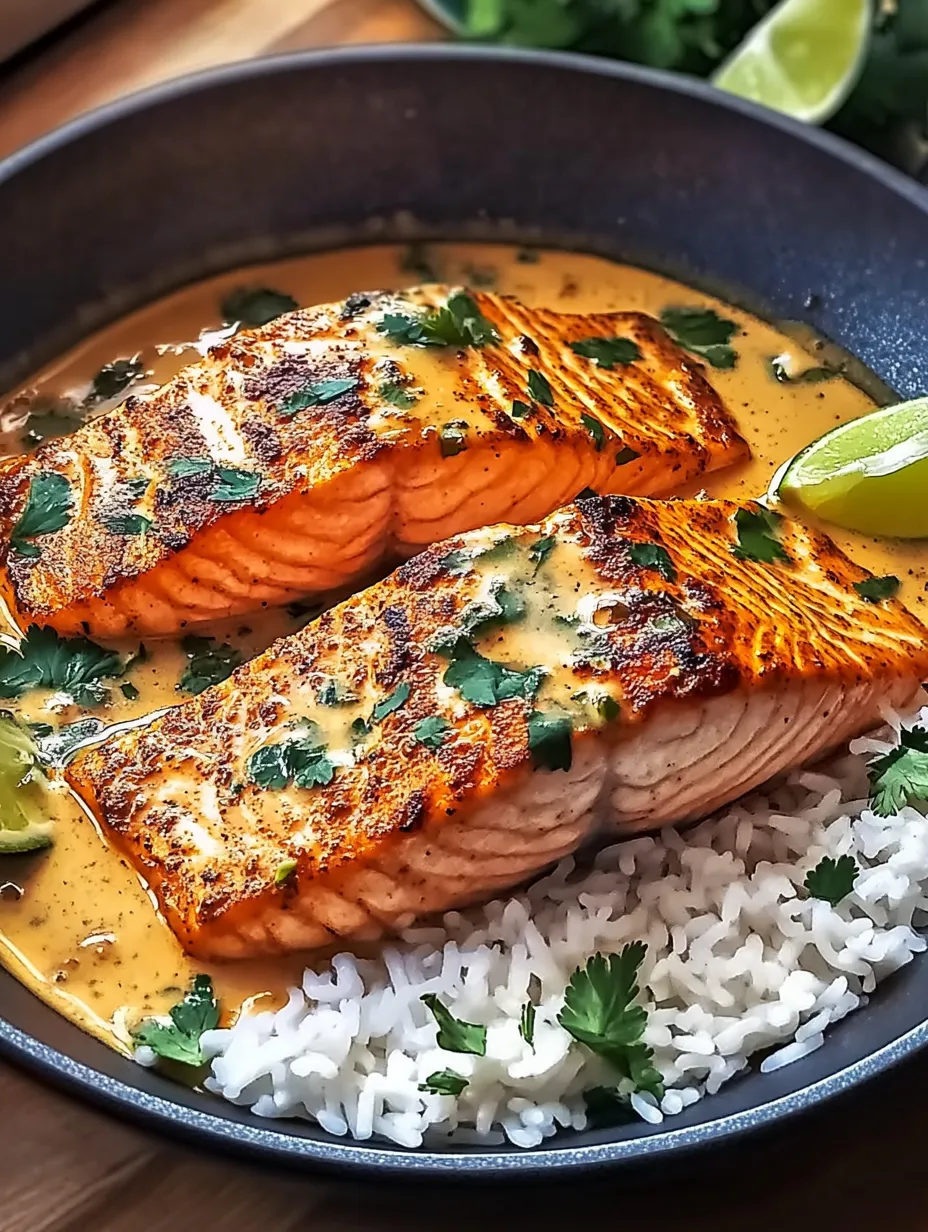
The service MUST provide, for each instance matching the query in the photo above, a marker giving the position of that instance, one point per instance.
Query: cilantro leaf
(758, 536)
(539, 388)
(209, 664)
(394, 393)
(455, 1035)
(900, 775)
(115, 378)
(255, 306)
(600, 1012)
(520, 409)
(180, 1039)
(50, 416)
(653, 556)
(549, 739)
(541, 549)
(527, 1023)
(399, 697)
(303, 762)
(596, 431)
(320, 393)
(444, 1082)
(418, 258)
(810, 376)
(129, 691)
(607, 352)
(72, 665)
(452, 437)
(607, 1107)
(432, 731)
(460, 323)
(187, 468)
(603, 704)
(832, 880)
(401, 328)
(48, 508)
(702, 332)
(625, 455)
(875, 589)
(485, 683)
(233, 485)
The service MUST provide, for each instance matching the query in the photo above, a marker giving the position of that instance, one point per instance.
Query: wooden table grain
(66, 1168)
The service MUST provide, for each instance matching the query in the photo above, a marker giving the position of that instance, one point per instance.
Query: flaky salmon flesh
(296, 458)
(494, 703)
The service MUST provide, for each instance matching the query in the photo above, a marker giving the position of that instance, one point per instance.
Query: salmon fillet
(294, 459)
(495, 702)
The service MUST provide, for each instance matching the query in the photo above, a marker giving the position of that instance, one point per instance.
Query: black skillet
(279, 156)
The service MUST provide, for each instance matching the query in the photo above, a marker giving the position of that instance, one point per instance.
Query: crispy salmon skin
(295, 458)
(482, 711)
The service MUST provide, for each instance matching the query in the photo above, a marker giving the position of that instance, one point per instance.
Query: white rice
(739, 959)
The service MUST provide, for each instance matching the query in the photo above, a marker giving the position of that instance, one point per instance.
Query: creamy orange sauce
(76, 924)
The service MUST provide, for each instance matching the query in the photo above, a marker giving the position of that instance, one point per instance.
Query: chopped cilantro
(402, 329)
(186, 468)
(758, 536)
(485, 683)
(520, 409)
(320, 393)
(653, 556)
(528, 256)
(875, 589)
(255, 306)
(399, 697)
(541, 549)
(549, 738)
(607, 352)
(209, 664)
(72, 665)
(900, 776)
(301, 761)
(333, 693)
(432, 732)
(50, 417)
(179, 1040)
(234, 486)
(113, 379)
(527, 1023)
(600, 1012)
(284, 871)
(810, 376)
(596, 431)
(455, 1035)
(460, 323)
(444, 1082)
(128, 524)
(603, 704)
(394, 393)
(625, 455)
(48, 508)
(452, 437)
(702, 332)
(129, 691)
(832, 880)
(539, 388)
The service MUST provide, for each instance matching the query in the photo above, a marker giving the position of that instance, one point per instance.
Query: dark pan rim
(264, 1142)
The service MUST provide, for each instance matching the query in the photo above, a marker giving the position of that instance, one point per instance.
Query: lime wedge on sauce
(25, 824)
(868, 475)
(803, 58)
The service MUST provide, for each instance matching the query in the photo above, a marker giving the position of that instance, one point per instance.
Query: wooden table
(66, 1169)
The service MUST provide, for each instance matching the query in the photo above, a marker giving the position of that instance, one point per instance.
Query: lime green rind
(24, 823)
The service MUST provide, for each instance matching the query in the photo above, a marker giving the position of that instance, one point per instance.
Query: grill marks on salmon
(295, 459)
(486, 709)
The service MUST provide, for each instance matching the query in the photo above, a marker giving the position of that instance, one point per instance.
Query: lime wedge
(24, 822)
(802, 59)
(868, 475)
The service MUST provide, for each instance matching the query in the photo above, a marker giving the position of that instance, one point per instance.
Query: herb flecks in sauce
(115, 378)
(210, 663)
(75, 666)
(255, 306)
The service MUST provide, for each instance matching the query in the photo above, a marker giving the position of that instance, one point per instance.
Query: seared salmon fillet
(296, 458)
(496, 701)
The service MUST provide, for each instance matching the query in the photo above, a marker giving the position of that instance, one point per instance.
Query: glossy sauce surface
(76, 924)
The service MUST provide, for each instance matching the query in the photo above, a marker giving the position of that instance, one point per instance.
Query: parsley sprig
(209, 663)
